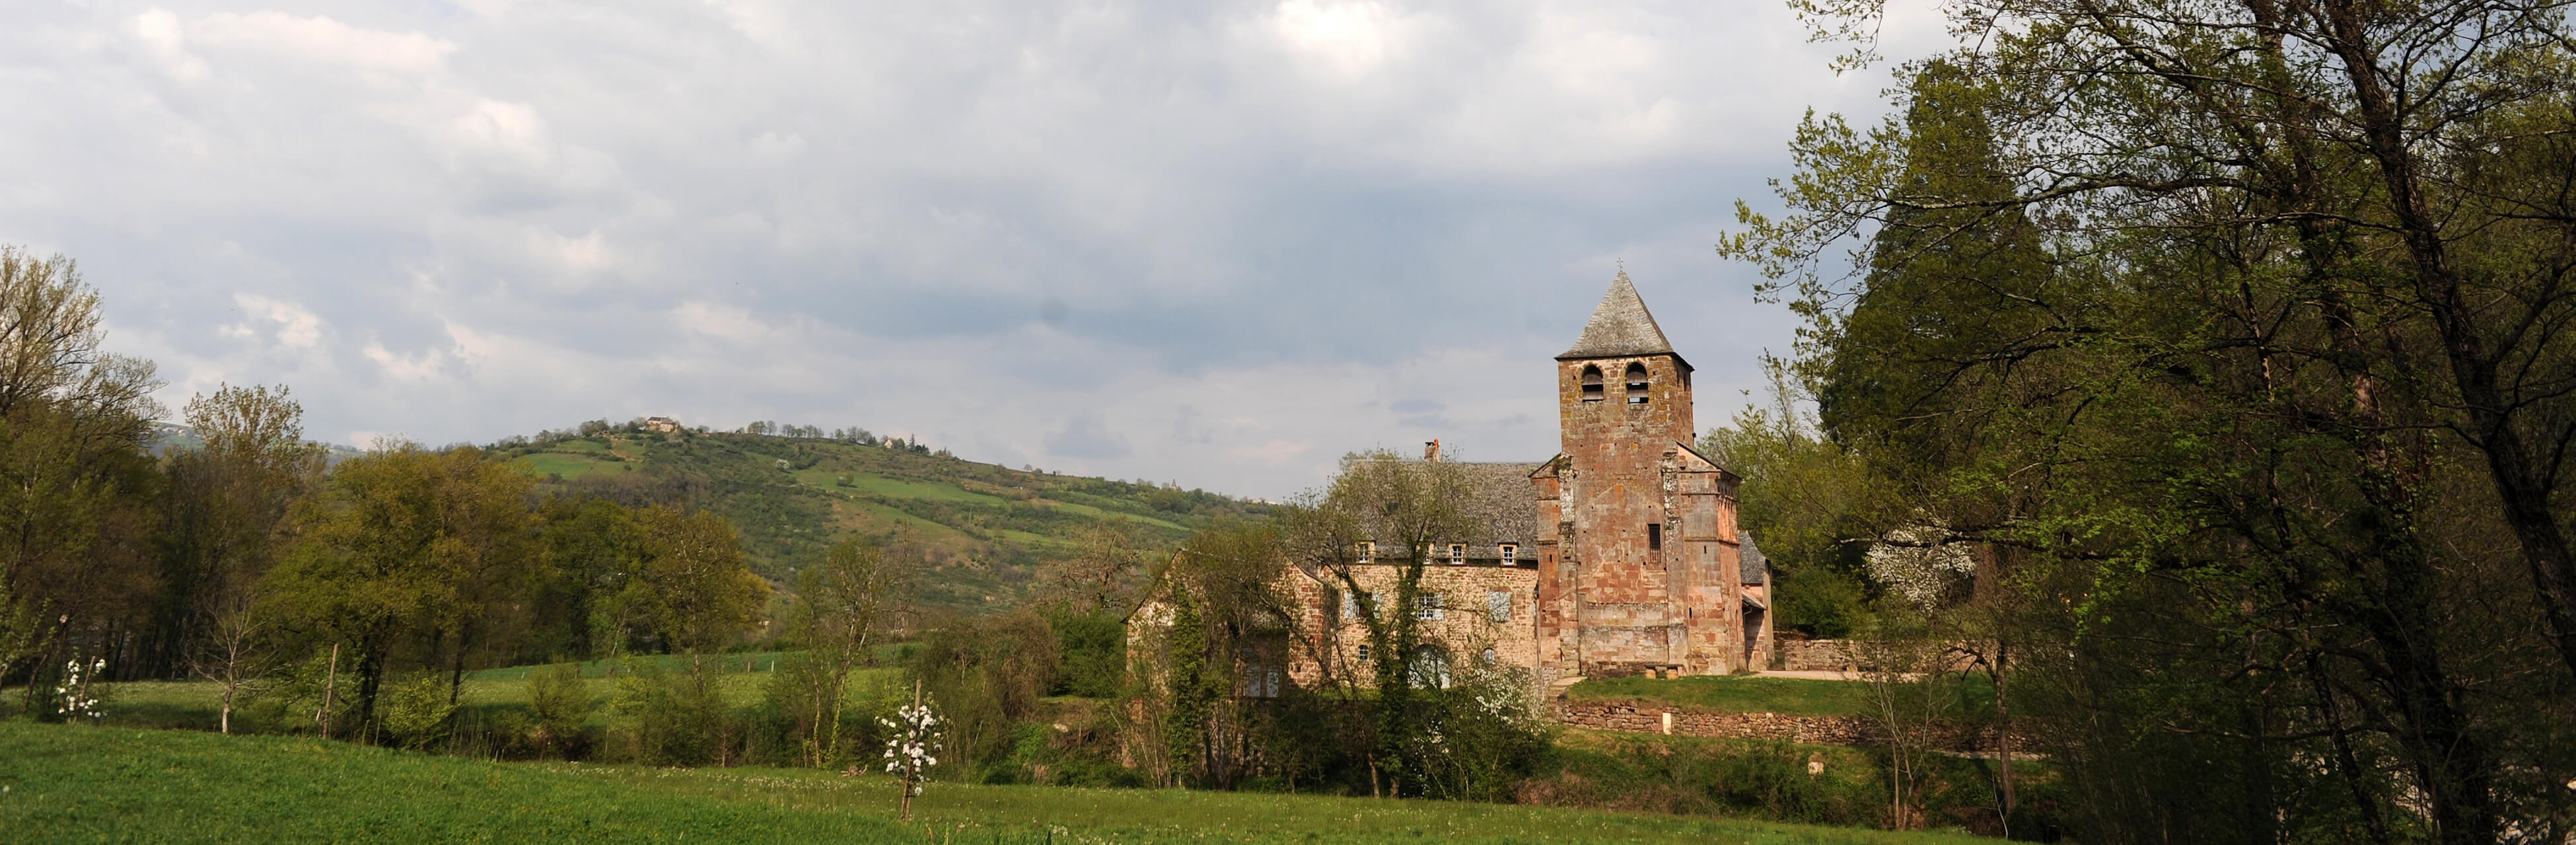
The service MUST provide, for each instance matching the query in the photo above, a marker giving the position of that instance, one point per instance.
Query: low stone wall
(1635, 717)
(1813, 656)
(1846, 656)
(1648, 718)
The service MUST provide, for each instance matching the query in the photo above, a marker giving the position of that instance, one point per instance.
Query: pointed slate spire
(1620, 327)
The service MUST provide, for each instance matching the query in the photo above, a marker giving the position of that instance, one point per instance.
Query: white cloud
(323, 42)
(162, 36)
(295, 326)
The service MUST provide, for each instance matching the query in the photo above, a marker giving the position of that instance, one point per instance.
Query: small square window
(1364, 652)
(1457, 554)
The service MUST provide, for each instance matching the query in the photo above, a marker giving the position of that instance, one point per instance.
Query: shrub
(560, 703)
(418, 711)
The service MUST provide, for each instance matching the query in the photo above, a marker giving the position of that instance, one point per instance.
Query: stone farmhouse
(1620, 555)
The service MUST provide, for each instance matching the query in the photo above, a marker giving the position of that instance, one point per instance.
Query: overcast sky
(1217, 243)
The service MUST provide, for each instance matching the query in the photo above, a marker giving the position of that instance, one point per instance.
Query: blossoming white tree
(78, 701)
(908, 753)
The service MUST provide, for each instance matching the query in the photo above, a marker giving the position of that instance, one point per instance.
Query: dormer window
(1457, 554)
(1511, 554)
(1591, 383)
(1367, 551)
(1636, 384)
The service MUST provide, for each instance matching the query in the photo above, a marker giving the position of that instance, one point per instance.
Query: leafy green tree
(692, 586)
(1396, 507)
(75, 524)
(2221, 330)
(410, 558)
(591, 548)
(221, 510)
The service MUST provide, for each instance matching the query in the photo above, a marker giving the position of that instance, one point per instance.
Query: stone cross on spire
(1620, 327)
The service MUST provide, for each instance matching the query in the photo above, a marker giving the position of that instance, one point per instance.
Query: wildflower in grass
(908, 753)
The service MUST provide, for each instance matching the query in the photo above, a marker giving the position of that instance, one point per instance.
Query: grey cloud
(503, 216)
(1086, 437)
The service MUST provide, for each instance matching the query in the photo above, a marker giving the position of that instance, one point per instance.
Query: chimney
(1431, 450)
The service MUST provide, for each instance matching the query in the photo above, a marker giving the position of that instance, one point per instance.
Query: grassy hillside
(88, 784)
(984, 527)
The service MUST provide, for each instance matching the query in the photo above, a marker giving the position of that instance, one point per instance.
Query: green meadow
(81, 783)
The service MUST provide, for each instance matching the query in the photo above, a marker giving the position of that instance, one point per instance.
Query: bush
(987, 675)
(675, 718)
(1093, 651)
(418, 711)
(560, 704)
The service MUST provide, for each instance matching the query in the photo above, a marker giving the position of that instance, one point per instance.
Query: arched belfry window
(1636, 384)
(1591, 383)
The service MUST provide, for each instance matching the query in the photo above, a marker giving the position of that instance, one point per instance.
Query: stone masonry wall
(1844, 656)
(1465, 625)
(1633, 717)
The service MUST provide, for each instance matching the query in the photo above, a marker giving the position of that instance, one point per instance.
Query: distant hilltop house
(1621, 555)
(661, 425)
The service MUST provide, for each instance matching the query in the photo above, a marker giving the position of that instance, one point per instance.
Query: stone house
(1620, 555)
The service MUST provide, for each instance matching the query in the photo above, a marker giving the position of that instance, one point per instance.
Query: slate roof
(1503, 498)
(1755, 565)
(1620, 327)
(1500, 503)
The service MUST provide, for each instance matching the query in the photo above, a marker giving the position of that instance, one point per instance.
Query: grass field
(196, 705)
(88, 784)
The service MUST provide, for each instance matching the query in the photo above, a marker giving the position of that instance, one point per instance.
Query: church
(1620, 555)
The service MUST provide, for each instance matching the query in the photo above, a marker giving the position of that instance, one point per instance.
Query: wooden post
(2003, 732)
(330, 684)
(911, 764)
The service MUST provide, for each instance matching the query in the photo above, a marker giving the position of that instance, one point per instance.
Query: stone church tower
(1640, 574)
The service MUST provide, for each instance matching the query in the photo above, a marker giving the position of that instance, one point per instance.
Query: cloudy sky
(1218, 243)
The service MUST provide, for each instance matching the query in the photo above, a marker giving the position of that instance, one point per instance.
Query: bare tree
(231, 653)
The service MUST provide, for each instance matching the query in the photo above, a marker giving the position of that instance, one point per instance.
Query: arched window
(1591, 383)
(1636, 384)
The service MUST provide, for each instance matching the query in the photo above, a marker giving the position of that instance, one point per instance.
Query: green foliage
(987, 673)
(675, 717)
(1093, 648)
(985, 529)
(560, 703)
(417, 712)
(2207, 332)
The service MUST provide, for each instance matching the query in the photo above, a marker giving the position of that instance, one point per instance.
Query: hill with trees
(982, 529)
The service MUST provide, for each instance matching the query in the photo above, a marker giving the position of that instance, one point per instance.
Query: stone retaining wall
(1634, 717)
(1812, 656)
(1844, 656)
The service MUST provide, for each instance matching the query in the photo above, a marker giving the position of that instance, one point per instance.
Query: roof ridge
(1620, 326)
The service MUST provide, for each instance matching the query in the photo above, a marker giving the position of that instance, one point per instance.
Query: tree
(693, 586)
(1383, 510)
(1102, 575)
(2229, 330)
(223, 505)
(234, 652)
(591, 548)
(841, 605)
(408, 556)
(74, 469)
